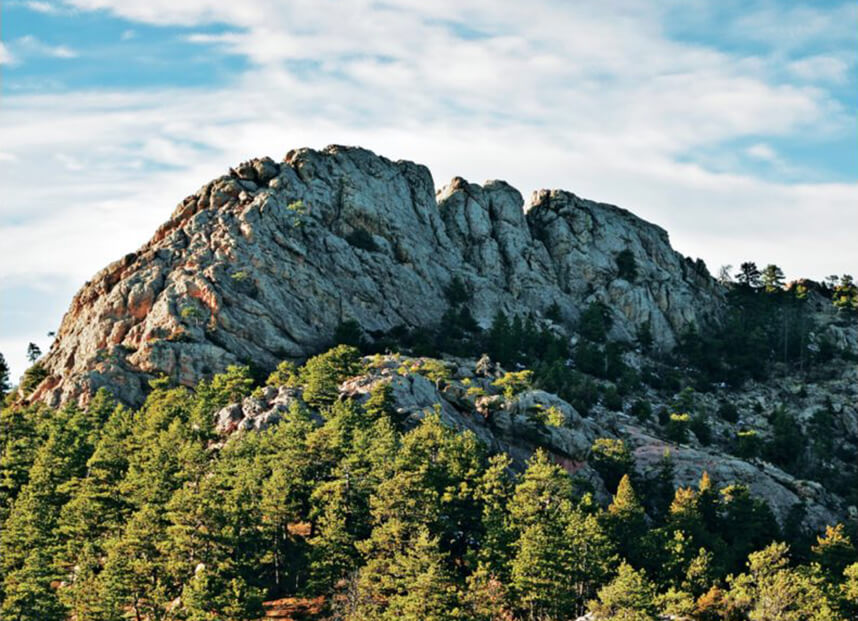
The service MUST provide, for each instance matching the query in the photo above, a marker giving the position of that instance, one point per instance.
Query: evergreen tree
(323, 374)
(408, 581)
(33, 352)
(626, 521)
(4, 377)
(771, 590)
(630, 597)
(834, 551)
(772, 278)
(749, 275)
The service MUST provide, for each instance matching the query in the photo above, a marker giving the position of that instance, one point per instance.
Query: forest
(110, 513)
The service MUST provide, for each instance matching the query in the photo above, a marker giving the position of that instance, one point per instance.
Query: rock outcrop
(262, 264)
(511, 427)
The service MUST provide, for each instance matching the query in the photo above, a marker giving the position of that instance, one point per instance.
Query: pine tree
(771, 589)
(749, 275)
(540, 571)
(4, 377)
(626, 521)
(494, 493)
(405, 578)
(834, 551)
(772, 278)
(486, 596)
(322, 374)
(33, 353)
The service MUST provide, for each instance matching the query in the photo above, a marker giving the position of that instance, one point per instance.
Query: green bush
(360, 238)
(641, 409)
(612, 399)
(32, 378)
(699, 426)
(748, 444)
(322, 374)
(612, 459)
(728, 412)
(627, 266)
(677, 427)
(514, 382)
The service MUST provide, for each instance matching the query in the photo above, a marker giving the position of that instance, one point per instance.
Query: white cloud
(762, 151)
(128, 34)
(6, 57)
(41, 7)
(820, 68)
(30, 45)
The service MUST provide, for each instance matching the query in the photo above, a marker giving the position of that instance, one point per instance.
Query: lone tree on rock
(33, 352)
(749, 275)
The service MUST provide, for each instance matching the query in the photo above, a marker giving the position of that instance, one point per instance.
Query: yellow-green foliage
(514, 382)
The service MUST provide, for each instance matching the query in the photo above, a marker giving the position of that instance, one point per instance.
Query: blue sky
(731, 124)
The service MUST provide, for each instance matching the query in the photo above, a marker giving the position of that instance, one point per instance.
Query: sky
(731, 124)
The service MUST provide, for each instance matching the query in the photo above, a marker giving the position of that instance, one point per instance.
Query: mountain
(323, 390)
(264, 263)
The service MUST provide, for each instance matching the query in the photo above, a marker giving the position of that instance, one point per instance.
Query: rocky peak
(263, 263)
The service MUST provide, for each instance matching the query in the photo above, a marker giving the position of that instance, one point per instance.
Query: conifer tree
(834, 551)
(323, 374)
(626, 520)
(630, 596)
(4, 378)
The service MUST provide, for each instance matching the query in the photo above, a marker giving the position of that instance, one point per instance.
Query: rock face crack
(278, 276)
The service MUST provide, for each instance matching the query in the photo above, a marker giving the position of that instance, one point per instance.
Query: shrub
(349, 332)
(457, 291)
(641, 409)
(360, 238)
(677, 427)
(514, 382)
(612, 400)
(434, 370)
(286, 374)
(322, 374)
(298, 211)
(747, 444)
(699, 426)
(612, 459)
(727, 411)
(32, 378)
(627, 267)
(595, 322)
(552, 416)
(191, 313)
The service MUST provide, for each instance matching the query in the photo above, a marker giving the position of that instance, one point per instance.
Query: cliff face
(262, 264)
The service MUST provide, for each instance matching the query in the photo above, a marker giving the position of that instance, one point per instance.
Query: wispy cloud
(820, 68)
(6, 57)
(41, 7)
(32, 46)
(762, 151)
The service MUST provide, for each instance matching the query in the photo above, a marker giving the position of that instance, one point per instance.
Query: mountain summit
(262, 265)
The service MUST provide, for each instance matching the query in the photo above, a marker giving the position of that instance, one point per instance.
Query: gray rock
(261, 265)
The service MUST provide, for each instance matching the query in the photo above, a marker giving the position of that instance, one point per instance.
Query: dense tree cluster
(109, 513)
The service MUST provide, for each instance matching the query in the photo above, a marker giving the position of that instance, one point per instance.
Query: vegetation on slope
(109, 514)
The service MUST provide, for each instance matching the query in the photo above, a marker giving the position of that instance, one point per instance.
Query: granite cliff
(263, 263)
